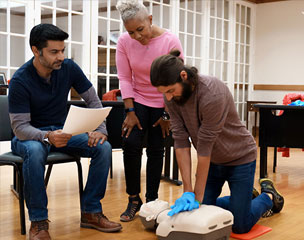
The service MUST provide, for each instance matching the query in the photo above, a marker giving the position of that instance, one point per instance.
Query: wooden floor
(64, 211)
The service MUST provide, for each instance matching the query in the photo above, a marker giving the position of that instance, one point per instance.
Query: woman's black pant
(132, 151)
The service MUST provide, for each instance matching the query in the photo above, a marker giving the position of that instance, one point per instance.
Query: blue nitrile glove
(297, 103)
(186, 202)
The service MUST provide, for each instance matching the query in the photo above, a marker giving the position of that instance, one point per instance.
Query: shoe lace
(132, 208)
(100, 216)
(43, 225)
(268, 213)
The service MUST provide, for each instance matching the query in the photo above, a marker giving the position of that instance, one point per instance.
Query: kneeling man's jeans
(34, 154)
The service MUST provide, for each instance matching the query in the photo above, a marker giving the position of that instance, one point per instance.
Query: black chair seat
(53, 157)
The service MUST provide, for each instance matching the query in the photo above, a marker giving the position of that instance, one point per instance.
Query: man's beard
(186, 94)
(52, 66)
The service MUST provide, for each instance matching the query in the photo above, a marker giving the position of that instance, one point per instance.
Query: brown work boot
(40, 230)
(99, 221)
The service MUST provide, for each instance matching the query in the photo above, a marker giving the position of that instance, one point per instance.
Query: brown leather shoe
(99, 221)
(39, 230)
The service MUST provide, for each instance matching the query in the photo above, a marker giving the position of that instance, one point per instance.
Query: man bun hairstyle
(165, 70)
(43, 32)
(128, 9)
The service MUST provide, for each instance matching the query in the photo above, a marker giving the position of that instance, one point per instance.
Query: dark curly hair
(165, 70)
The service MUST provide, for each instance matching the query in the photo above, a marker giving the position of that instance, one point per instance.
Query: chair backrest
(5, 124)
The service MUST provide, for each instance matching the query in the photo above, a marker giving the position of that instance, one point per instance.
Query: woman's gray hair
(128, 9)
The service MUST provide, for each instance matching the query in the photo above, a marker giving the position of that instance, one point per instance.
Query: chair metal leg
(80, 180)
(21, 199)
(47, 175)
(274, 160)
(111, 167)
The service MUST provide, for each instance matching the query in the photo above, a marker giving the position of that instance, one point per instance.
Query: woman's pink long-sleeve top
(133, 62)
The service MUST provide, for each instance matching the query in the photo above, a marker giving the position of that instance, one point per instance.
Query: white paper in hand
(82, 120)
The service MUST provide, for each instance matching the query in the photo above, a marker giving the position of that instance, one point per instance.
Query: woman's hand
(165, 126)
(129, 123)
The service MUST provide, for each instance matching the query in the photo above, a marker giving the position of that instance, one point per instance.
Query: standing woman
(144, 105)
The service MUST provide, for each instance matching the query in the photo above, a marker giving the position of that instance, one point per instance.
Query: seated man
(38, 95)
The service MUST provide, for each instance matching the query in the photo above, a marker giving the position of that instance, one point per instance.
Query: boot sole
(278, 199)
(86, 225)
(127, 220)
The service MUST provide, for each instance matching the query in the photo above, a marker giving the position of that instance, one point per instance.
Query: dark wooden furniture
(251, 108)
(3, 89)
(285, 130)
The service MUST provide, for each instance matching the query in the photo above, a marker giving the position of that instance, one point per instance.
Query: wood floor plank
(64, 211)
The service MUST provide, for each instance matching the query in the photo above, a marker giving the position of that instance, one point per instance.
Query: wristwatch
(46, 139)
(165, 116)
(129, 110)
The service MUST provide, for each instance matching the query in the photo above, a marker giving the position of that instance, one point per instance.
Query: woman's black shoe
(133, 207)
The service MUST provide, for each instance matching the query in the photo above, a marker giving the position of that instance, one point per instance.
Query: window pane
(219, 8)
(199, 24)
(199, 7)
(226, 10)
(3, 21)
(212, 8)
(212, 26)
(190, 22)
(219, 28)
(247, 35)
(3, 46)
(114, 13)
(17, 51)
(218, 50)
(248, 16)
(198, 48)
(114, 83)
(101, 86)
(247, 74)
(102, 31)
(182, 20)
(102, 60)
(247, 54)
(62, 4)
(77, 5)
(225, 51)
(237, 13)
(226, 30)
(47, 3)
(62, 20)
(166, 17)
(211, 68)
(242, 34)
(114, 32)
(46, 15)
(211, 48)
(18, 20)
(242, 53)
(76, 54)
(189, 45)
(225, 72)
(243, 15)
(77, 21)
(218, 70)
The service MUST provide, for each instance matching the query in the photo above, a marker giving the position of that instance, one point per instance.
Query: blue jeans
(133, 146)
(246, 212)
(34, 154)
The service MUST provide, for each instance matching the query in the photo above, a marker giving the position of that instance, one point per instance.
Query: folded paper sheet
(81, 120)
